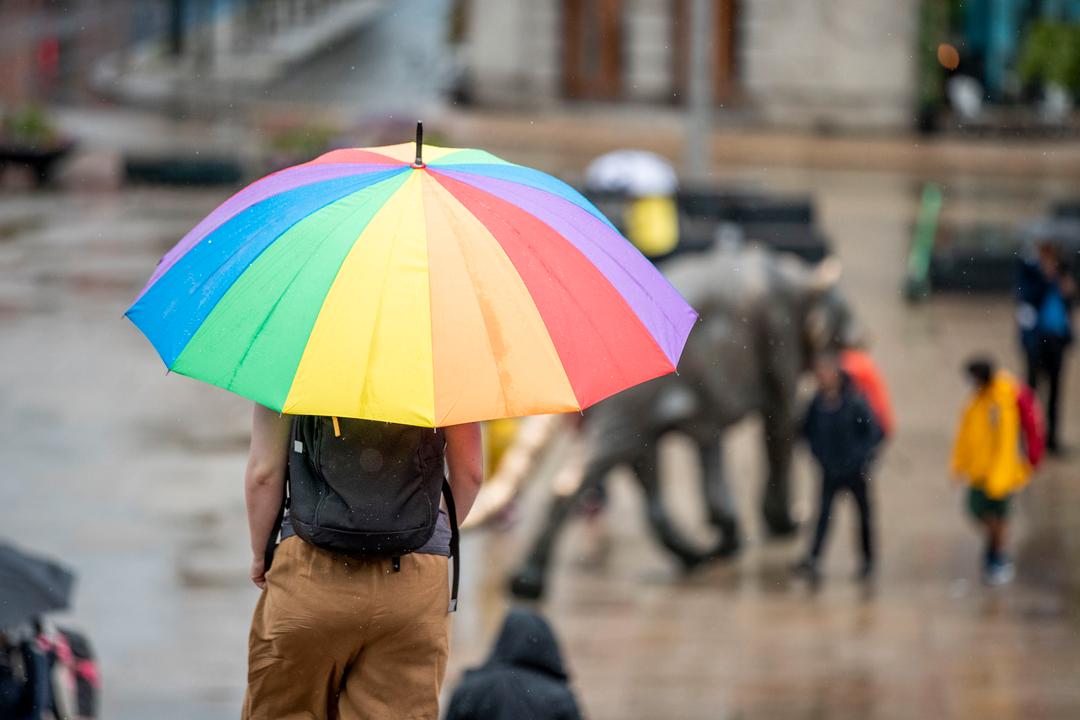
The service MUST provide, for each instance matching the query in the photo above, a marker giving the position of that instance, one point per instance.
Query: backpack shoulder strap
(451, 510)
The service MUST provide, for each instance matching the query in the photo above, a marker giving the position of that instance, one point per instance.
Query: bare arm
(465, 460)
(264, 481)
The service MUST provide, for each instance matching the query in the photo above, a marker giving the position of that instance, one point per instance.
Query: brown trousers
(339, 637)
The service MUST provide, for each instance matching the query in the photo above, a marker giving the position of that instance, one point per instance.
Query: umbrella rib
(378, 312)
(552, 272)
(612, 357)
(633, 277)
(585, 204)
(244, 199)
(297, 274)
(668, 320)
(227, 260)
(479, 304)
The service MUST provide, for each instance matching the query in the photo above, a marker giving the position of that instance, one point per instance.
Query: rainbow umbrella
(367, 284)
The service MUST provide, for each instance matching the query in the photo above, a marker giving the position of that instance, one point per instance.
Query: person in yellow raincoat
(988, 456)
(652, 224)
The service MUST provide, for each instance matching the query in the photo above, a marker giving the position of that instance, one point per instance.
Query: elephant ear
(824, 277)
(829, 323)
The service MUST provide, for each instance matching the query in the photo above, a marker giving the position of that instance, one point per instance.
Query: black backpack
(367, 488)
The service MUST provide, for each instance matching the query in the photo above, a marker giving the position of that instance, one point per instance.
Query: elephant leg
(719, 501)
(646, 469)
(779, 446)
(528, 582)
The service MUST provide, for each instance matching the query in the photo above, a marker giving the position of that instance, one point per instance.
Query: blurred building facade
(150, 51)
(48, 48)
(820, 63)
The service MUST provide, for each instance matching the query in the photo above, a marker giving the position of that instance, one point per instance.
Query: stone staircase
(228, 58)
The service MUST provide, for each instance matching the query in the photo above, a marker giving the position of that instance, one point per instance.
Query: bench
(41, 161)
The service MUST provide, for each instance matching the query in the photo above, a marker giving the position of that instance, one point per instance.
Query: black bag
(48, 673)
(367, 488)
(22, 686)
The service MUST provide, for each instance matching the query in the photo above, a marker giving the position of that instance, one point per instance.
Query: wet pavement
(134, 477)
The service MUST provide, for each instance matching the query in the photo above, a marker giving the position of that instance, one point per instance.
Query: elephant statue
(764, 316)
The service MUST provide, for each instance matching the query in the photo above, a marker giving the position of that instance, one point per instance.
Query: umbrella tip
(419, 163)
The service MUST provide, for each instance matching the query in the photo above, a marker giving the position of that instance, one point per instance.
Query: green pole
(917, 283)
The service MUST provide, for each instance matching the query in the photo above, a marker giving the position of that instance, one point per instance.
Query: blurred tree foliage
(938, 21)
(1050, 55)
(29, 125)
(302, 140)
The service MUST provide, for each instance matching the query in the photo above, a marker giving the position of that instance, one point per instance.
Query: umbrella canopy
(633, 172)
(30, 586)
(365, 284)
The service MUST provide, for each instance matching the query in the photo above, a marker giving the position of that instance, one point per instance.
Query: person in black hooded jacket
(524, 678)
(843, 435)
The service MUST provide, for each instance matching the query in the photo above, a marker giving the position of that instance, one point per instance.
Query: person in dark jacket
(524, 678)
(843, 434)
(1045, 293)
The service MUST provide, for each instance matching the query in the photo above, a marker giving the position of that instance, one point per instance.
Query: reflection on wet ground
(134, 478)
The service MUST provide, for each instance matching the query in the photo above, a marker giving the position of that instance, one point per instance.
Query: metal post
(176, 28)
(696, 152)
(419, 145)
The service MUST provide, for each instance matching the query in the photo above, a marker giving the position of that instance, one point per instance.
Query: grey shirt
(439, 544)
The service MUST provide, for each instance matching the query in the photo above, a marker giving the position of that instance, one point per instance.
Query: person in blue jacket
(1045, 293)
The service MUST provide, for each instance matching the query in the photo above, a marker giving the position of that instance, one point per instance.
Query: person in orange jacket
(988, 456)
(863, 371)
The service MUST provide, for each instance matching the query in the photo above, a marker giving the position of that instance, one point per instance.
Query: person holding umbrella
(339, 614)
(376, 304)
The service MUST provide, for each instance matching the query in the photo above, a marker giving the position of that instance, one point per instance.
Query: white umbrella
(633, 172)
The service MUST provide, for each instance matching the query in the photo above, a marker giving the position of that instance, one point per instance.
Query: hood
(526, 640)
(1003, 387)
